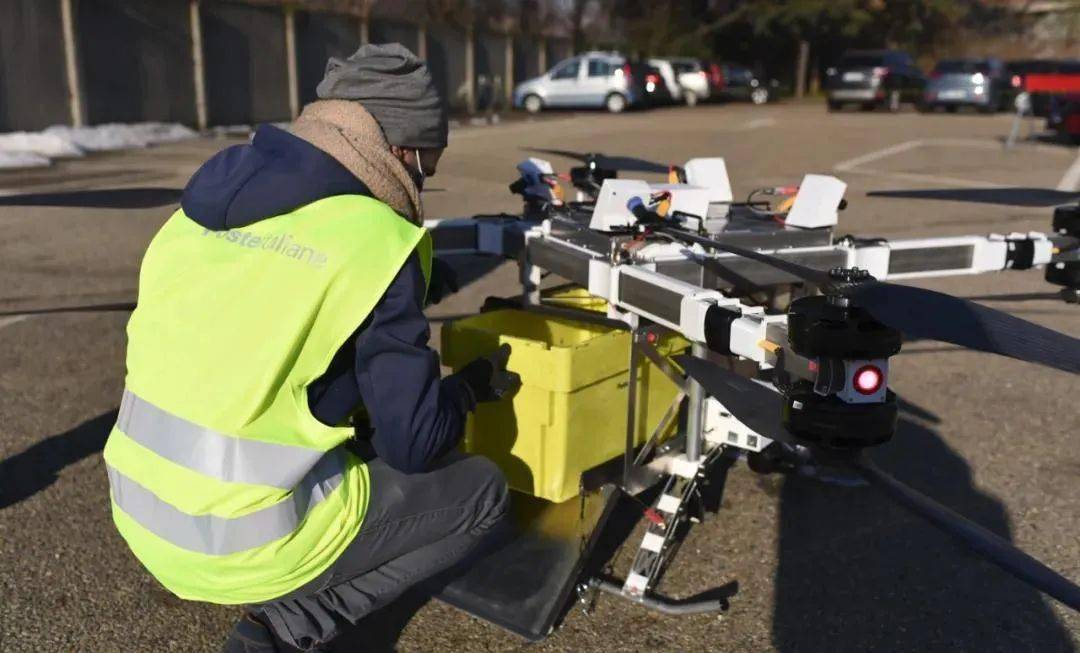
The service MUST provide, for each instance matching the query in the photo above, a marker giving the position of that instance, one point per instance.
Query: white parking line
(8, 321)
(856, 165)
(1070, 181)
(876, 155)
(758, 123)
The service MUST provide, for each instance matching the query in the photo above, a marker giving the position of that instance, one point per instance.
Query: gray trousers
(416, 526)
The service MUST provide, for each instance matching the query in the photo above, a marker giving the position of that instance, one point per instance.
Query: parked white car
(593, 79)
(667, 71)
(692, 78)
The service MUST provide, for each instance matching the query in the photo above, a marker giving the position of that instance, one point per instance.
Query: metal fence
(223, 62)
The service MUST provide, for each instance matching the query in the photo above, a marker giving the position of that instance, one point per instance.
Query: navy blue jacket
(386, 367)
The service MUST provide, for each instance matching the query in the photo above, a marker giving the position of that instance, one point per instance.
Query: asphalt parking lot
(818, 568)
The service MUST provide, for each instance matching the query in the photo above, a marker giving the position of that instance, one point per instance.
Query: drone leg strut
(696, 412)
(659, 603)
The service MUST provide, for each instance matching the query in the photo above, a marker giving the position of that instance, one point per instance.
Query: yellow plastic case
(570, 414)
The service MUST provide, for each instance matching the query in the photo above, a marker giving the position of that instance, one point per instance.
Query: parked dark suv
(874, 78)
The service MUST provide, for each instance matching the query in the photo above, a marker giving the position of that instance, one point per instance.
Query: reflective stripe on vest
(215, 535)
(224, 457)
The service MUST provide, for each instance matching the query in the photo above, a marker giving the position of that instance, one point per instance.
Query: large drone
(685, 257)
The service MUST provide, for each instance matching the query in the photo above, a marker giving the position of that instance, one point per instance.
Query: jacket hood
(274, 174)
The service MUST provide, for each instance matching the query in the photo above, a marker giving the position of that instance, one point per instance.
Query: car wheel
(533, 103)
(923, 107)
(615, 103)
(835, 106)
(690, 98)
(893, 104)
(759, 95)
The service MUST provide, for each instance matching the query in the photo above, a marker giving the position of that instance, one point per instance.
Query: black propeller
(625, 163)
(760, 409)
(921, 313)
(757, 404)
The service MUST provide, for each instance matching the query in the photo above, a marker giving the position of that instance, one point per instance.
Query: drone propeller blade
(624, 163)
(564, 153)
(630, 164)
(89, 308)
(921, 313)
(975, 537)
(750, 402)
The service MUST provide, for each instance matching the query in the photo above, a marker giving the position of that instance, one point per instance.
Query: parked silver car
(595, 79)
(670, 77)
(692, 79)
(979, 83)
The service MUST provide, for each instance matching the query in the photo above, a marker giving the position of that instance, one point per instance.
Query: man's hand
(487, 376)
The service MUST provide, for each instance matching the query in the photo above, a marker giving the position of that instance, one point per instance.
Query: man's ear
(402, 154)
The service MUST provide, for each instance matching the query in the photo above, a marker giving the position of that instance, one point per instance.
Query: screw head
(850, 275)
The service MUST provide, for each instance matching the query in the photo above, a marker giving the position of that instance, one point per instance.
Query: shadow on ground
(858, 573)
(35, 469)
(470, 268)
(108, 198)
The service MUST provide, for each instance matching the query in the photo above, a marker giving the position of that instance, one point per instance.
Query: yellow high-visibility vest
(223, 484)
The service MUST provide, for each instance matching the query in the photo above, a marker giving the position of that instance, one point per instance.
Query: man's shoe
(250, 635)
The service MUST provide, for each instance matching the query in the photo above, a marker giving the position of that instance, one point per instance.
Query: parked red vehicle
(1063, 91)
(715, 74)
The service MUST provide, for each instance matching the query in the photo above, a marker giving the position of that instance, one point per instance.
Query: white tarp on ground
(31, 149)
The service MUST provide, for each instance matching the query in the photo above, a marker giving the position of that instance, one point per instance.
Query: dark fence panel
(526, 59)
(557, 50)
(389, 31)
(320, 36)
(446, 61)
(490, 69)
(244, 50)
(136, 60)
(33, 82)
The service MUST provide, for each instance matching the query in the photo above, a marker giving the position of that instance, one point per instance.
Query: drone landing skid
(526, 586)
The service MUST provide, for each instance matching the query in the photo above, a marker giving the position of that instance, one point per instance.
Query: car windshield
(685, 67)
(862, 61)
(962, 66)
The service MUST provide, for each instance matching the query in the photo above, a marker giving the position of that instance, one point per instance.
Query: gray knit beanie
(396, 88)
